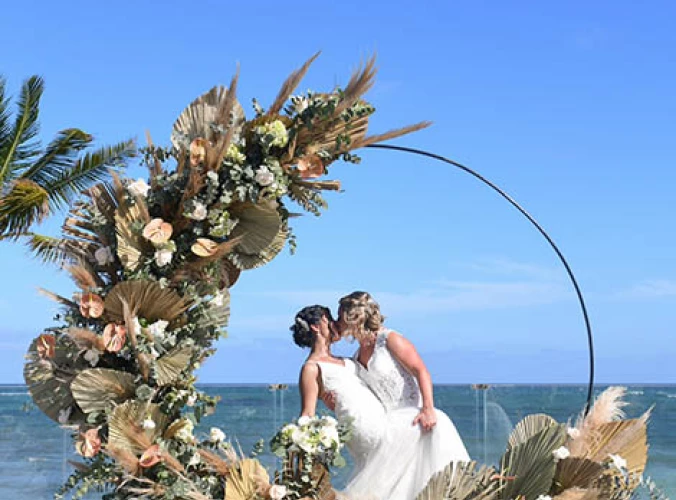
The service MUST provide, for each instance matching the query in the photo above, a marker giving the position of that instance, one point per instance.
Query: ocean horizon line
(439, 384)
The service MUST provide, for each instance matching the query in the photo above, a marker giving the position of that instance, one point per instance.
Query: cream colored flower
(544, 497)
(184, 433)
(573, 433)
(163, 257)
(158, 328)
(304, 420)
(277, 492)
(192, 399)
(561, 453)
(158, 231)
(104, 256)
(92, 356)
(139, 188)
(234, 154)
(216, 435)
(264, 177)
(149, 424)
(199, 211)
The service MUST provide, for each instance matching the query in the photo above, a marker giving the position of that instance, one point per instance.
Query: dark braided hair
(303, 335)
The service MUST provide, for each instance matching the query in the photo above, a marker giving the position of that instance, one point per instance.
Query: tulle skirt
(405, 460)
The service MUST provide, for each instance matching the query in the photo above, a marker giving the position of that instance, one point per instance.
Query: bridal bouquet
(308, 448)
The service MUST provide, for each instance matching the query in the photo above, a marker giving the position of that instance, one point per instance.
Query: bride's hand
(427, 418)
(329, 399)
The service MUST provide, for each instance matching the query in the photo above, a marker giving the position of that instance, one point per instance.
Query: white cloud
(649, 289)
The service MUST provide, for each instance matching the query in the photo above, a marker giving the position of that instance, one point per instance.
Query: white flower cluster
(276, 131)
(314, 435)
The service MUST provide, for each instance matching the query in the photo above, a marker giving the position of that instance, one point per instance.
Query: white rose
(328, 436)
(139, 188)
(149, 424)
(199, 211)
(573, 433)
(264, 177)
(301, 104)
(185, 432)
(618, 462)
(192, 399)
(158, 328)
(277, 491)
(103, 256)
(329, 420)
(304, 420)
(163, 257)
(561, 453)
(216, 435)
(92, 355)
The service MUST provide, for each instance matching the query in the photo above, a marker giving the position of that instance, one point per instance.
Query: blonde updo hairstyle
(361, 314)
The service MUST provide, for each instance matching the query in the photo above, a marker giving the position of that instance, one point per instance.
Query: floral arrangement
(154, 262)
(601, 457)
(308, 448)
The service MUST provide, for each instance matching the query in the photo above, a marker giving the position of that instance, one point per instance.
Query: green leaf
(59, 155)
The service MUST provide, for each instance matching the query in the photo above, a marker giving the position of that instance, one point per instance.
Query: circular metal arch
(559, 254)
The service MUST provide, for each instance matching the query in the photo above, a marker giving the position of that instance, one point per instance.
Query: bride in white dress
(419, 440)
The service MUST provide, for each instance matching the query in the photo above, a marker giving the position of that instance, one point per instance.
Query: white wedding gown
(406, 457)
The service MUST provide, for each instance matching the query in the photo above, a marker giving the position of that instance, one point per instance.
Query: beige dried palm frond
(246, 477)
(528, 427)
(85, 339)
(227, 118)
(258, 227)
(215, 461)
(170, 366)
(198, 119)
(606, 408)
(322, 185)
(48, 380)
(146, 299)
(463, 481)
(290, 85)
(84, 276)
(126, 430)
(104, 199)
(627, 438)
(532, 463)
(579, 494)
(96, 389)
(577, 472)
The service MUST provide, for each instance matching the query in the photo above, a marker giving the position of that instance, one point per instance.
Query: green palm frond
(59, 155)
(4, 113)
(90, 169)
(24, 204)
(18, 147)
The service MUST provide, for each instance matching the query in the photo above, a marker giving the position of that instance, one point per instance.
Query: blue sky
(568, 106)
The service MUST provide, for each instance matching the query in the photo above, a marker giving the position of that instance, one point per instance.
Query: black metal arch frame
(569, 271)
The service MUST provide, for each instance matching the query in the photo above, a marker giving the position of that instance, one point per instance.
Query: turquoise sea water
(34, 450)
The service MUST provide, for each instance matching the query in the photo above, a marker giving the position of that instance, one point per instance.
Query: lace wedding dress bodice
(387, 378)
(355, 403)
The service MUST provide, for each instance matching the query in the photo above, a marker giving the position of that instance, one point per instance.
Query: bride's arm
(309, 389)
(405, 352)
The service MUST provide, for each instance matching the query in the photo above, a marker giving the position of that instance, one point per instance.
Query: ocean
(34, 450)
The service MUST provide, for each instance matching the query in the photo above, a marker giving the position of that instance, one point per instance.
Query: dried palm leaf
(217, 314)
(362, 81)
(577, 472)
(103, 198)
(146, 299)
(228, 120)
(126, 430)
(228, 274)
(532, 463)
(627, 438)
(217, 463)
(131, 244)
(201, 116)
(528, 427)
(245, 479)
(170, 366)
(462, 481)
(258, 227)
(48, 380)
(289, 85)
(579, 494)
(97, 388)
(156, 166)
(606, 408)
